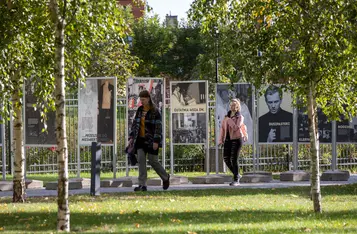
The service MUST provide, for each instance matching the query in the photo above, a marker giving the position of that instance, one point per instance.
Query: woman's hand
(155, 146)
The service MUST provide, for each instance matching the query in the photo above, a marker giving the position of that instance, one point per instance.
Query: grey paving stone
(120, 182)
(335, 175)
(134, 179)
(84, 181)
(154, 182)
(198, 180)
(33, 184)
(72, 184)
(295, 176)
(227, 178)
(209, 179)
(177, 180)
(5, 185)
(255, 178)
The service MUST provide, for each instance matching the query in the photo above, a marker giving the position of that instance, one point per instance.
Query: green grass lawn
(287, 210)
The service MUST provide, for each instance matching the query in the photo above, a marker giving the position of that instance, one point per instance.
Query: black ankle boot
(140, 188)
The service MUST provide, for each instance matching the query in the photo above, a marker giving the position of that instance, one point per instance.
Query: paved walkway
(273, 184)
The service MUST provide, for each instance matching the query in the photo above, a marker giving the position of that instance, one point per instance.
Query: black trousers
(230, 155)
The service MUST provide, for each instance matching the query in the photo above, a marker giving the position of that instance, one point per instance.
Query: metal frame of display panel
(114, 144)
(3, 150)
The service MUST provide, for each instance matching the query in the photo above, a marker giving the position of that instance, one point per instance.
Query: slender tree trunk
(63, 214)
(18, 146)
(315, 150)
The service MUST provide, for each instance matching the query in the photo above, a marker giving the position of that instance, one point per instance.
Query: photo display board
(324, 126)
(155, 86)
(35, 132)
(96, 111)
(346, 131)
(275, 114)
(225, 93)
(188, 102)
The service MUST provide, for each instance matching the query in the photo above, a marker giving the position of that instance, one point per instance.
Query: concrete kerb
(273, 184)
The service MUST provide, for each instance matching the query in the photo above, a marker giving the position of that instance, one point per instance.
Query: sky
(175, 7)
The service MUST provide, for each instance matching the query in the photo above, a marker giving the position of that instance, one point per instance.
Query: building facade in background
(138, 11)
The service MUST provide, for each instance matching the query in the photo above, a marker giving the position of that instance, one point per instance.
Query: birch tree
(56, 45)
(82, 29)
(17, 63)
(309, 46)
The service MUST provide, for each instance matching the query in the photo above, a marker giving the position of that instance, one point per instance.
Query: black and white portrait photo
(189, 128)
(275, 116)
(324, 126)
(187, 97)
(36, 132)
(243, 92)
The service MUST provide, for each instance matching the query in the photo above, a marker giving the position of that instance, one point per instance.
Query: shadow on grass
(43, 221)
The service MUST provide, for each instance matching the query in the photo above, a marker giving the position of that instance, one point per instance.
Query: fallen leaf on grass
(176, 221)
(189, 232)
(307, 230)
(137, 225)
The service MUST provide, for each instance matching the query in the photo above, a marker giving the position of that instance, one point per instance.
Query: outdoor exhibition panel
(275, 116)
(188, 115)
(97, 113)
(37, 131)
(242, 91)
(346, 131)
(224, 94)
(156, 88)
(324, 126)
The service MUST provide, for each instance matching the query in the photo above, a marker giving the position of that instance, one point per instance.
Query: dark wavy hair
(146, 94)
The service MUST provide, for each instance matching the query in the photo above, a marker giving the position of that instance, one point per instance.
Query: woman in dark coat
(146, 134)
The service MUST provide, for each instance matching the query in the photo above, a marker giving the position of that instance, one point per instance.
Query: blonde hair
(236, 100)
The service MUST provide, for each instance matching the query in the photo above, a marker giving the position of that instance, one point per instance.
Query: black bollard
(95, 169)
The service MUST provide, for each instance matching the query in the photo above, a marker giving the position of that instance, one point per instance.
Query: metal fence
(275, 158)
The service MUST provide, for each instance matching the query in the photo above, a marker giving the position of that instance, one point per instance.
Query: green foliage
(170, 51)
(95, 45)
(295, 43)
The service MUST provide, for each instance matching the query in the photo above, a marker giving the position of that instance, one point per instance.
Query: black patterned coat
(153, 128)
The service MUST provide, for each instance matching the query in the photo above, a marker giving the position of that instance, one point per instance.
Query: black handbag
(130, 150)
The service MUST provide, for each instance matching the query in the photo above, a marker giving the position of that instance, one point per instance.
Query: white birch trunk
(18, 146)
(315, 151)
(63, 223)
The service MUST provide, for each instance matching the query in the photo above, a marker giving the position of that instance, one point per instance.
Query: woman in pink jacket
(232, 137)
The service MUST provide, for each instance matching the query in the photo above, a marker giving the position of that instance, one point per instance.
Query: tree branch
(64, 10)
(53, 7)
(73, 12)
